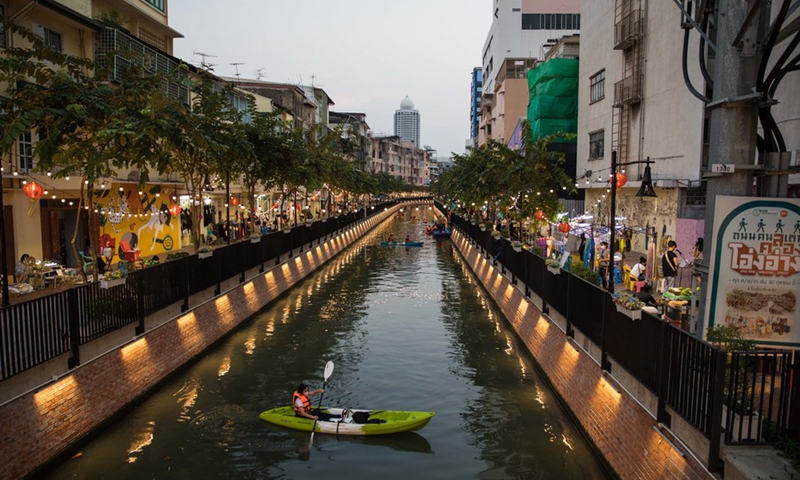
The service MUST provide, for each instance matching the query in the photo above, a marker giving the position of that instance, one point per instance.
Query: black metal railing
(692, 377)
(36, 331)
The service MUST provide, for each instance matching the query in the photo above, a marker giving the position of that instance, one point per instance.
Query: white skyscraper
(406, 122)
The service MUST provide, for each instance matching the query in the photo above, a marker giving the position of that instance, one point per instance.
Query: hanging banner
(754, 273)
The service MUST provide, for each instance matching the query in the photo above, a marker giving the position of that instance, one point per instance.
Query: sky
(366, 54)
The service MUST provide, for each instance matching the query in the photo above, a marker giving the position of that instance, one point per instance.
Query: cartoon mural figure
(159, 218)
(117, 211)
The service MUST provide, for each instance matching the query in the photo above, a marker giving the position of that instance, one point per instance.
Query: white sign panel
(723, 167)
(754, 274)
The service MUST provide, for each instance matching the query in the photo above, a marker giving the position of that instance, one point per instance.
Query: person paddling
(302, 404)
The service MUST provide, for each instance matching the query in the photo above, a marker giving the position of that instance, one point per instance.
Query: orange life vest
(306, 403)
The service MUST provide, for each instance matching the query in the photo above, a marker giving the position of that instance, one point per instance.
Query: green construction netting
(556, 87)
(545, 106)
(553, 100)
(550, 126)
(554, 68)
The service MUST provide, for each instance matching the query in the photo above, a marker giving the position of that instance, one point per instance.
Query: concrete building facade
(640, 109)
(520, 29)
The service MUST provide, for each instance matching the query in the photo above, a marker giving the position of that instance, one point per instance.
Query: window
(26, 162)
(551, 21)
(597, 144)
(50, 38)
(157, 4)
(696, 196)
(597, 86)
(2, 28)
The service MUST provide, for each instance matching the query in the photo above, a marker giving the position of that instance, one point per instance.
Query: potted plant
(495, 233)
(628, 304)
(205, 252)
(553, 266)
(287, 228)
(516, 245)
(112, 279)
(255, 237)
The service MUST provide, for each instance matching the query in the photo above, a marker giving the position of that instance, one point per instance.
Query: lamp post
(645, 190)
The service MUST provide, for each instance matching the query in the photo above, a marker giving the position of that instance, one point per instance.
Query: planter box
(255, 239)
(750, 425)
(112, 283)
(554, 270)
(287, 230)
(633, 314)
(517, 249)
(203, 255)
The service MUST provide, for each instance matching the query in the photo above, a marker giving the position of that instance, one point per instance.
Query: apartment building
(505, 107)
(400, 158)
(522, 28)
(633, 100)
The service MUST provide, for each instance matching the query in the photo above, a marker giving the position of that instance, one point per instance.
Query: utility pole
(734, 113)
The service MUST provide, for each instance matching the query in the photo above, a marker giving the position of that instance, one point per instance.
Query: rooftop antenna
(260, 73)
(312, 79)
(238, 75)
(203, 64)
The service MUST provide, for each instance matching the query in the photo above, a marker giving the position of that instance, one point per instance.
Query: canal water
(407, 329)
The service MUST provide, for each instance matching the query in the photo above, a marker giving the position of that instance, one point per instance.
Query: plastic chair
(88, 263)
(629, 279)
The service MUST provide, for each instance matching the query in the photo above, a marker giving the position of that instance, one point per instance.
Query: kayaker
(408, 239)
(302, 404)
(391, 238)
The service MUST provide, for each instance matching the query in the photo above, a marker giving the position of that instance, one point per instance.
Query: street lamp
(645, 190)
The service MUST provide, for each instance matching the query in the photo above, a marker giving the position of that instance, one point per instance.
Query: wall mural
(144, 221)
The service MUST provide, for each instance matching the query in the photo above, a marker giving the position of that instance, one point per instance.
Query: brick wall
(38, 426)
(620, 428)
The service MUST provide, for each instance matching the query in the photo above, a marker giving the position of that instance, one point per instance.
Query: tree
(87, 125)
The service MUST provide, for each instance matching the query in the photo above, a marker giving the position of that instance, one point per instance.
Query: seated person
(21, 269)
(646, 296)
(408, 239)
(210, 237)
(391, 238)
(639, 270)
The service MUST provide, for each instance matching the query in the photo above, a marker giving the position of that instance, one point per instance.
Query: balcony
(122, 50)
(628, 30)
(628, 91)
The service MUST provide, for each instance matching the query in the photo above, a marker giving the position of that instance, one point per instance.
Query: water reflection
(408, 329)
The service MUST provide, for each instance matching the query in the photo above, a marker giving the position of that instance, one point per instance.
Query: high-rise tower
(406, 122)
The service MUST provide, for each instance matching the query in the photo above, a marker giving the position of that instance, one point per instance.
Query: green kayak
(402, 244)
(351, 421)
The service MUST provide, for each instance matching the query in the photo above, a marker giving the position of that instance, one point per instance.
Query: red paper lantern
(33, 190)
(622, 179)
(175, 209)
(564, 227)
(235, 201)
(539, 215)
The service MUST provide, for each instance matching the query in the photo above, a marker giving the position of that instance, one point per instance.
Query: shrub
(585, 273)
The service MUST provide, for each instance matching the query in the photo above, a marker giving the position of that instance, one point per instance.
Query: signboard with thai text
(754, 273)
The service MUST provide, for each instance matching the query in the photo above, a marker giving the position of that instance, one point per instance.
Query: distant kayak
(402, 244)
(442, 233)
(351, 421)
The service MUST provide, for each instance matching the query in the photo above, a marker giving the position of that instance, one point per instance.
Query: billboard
(755, 269)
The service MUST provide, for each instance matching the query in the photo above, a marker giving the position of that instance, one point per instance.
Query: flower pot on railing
(287, 230)
(632, 314)
(750, 425)
(205, 254)
(555, 270)
(115, 282)
(255, 239)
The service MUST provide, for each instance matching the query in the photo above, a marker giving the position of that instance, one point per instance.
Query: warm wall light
(660, 429)
(612, 384)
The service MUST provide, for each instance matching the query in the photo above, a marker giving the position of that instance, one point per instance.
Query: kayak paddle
(327, 373)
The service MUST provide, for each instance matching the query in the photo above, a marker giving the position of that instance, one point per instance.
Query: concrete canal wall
(619, 425)
(43, 423)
